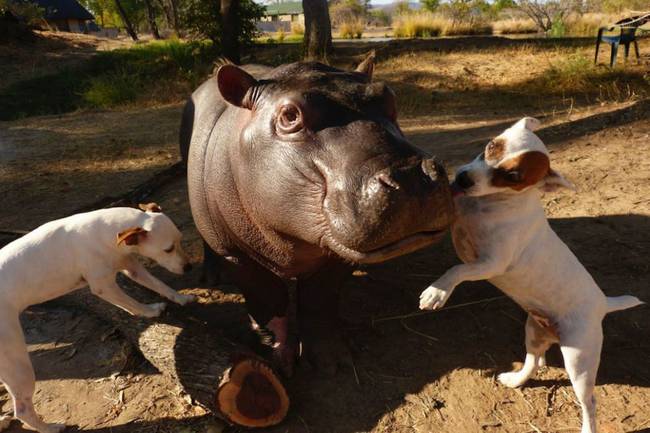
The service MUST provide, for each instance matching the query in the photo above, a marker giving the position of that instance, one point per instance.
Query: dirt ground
(428, 373)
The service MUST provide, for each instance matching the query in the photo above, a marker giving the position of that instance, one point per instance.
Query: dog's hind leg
(581, 351)
(17, 373)
(538, 340)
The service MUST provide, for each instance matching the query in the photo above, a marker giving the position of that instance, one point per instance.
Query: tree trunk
(169, 9)
(318, 30)
(126, 21)
(230, 30)
(226, 379)
(151, 16)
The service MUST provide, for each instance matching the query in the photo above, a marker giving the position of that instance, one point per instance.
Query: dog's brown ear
(555, 181)
(150, 207)
(131, 236)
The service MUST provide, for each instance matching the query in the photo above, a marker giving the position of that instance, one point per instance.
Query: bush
(297, 28)
(202, 19)
(352, 29)
(158, 71)
(418, 25)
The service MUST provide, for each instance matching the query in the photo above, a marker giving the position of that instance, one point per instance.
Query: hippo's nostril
(464, 180)
(386, 180)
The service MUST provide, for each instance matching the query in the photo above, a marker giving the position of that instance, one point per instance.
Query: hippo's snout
(399, 208)
(418, 179)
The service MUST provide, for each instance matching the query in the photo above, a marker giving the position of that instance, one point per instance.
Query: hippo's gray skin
(297, 174)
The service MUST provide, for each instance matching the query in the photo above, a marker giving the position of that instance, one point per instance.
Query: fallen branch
(220, 375)
(423, 313)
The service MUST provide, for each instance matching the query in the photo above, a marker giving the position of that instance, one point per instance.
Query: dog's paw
(433, 298)
(512, 379)
(53, 428)
(181, 299)
(154, 310)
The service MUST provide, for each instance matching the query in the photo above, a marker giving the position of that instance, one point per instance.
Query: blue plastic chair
(627, 36)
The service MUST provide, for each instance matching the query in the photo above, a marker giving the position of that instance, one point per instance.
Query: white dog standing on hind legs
(61, 256)
(502, 235)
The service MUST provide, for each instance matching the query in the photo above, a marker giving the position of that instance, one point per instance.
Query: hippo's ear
(367, 66)
(234, 84)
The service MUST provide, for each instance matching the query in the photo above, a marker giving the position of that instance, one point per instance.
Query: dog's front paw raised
(181, 299)
(154, 310)
(433, 298)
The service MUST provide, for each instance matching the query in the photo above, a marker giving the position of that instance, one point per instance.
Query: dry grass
(418, 25)
(426, 25)
(527, 78)
(352, 29)
(588, 24)
(514, 26)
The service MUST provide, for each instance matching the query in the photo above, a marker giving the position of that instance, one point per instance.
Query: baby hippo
(87, 249)
(502, 235)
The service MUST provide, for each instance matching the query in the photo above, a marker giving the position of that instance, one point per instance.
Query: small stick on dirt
(304, 423)
(416, 332)
(354, 370)
(423, 313)
(534, 427)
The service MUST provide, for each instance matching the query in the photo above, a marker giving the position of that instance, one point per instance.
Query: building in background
(66, 15)
(280, 15)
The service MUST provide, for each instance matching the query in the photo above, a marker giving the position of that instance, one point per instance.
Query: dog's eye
(170, 249)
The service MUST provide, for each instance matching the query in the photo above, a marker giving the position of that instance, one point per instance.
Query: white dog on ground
(61, 256)
(502, 235)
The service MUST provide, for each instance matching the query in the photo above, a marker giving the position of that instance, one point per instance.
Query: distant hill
(390, 7)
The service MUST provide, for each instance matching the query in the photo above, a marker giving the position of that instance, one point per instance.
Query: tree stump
(220, 375)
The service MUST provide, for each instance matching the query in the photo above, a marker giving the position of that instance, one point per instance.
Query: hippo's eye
(513, 176)
(289, 119)
(170, 249)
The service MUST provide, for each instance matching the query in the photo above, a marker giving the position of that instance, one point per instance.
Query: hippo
(296, 174)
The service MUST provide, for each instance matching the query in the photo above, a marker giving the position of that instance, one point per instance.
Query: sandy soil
(428, 373)
(432, 372)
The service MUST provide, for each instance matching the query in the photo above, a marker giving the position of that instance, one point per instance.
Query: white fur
(503, 236)
(68, 254)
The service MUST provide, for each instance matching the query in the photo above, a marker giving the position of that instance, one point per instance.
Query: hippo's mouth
(398, 248)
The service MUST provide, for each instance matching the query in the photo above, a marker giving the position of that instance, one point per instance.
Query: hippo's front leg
(267, 302)
(318, 317)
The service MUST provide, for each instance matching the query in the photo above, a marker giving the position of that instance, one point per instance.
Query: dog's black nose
(187, 267)
(463, 180)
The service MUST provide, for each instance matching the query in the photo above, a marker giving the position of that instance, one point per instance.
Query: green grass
(155, 72)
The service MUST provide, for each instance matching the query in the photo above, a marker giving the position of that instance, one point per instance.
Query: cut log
(220, 375)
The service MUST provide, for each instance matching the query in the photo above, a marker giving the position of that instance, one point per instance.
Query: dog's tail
(616, 303)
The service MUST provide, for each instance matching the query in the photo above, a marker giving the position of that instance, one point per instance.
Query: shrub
(158, 71)
(352, 29)
(418, 25)
(297, 28)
